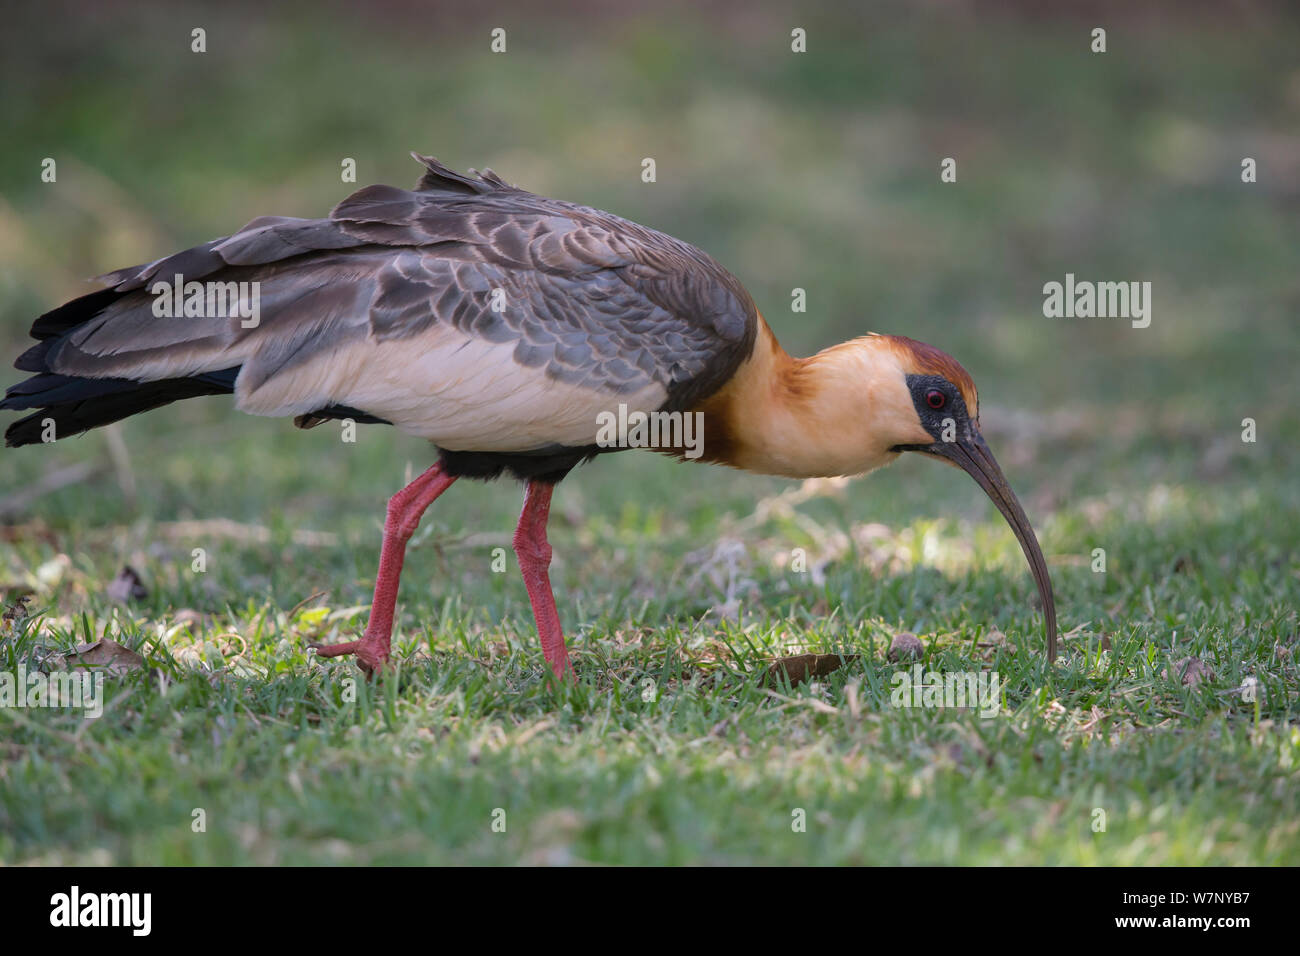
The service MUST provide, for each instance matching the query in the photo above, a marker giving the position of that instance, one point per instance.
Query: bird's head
(935, 413)
(854, 407)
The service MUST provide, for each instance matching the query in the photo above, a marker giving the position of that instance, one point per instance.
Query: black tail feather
(75, 405)
(71, 314)
(33, 360)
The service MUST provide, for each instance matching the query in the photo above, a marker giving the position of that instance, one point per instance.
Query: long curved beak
(973, 457)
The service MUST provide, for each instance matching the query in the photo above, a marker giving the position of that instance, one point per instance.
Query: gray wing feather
(596, 300)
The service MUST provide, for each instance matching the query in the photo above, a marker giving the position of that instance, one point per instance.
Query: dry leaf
(801, 667)
(104, 655)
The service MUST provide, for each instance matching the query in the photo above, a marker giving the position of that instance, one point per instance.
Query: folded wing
(467, 311)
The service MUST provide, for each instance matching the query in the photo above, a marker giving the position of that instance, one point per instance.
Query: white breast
(461, 393)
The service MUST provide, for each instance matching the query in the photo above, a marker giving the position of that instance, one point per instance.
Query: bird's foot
(371, 654)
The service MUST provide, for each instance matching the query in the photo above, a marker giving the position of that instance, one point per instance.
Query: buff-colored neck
(838, 412)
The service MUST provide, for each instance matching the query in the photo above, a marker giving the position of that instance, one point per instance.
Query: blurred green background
(817, 171)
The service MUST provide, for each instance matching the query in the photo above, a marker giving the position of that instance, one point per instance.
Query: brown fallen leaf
(905, 645)
(127, 586)
(1191, 670)
(803, 666)
(102, 655)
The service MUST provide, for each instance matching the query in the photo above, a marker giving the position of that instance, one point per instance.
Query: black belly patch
(549, 465)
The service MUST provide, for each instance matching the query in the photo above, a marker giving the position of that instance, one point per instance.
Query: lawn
(678, 584)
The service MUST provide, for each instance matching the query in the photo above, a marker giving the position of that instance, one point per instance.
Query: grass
(668, 751)
(676, 583)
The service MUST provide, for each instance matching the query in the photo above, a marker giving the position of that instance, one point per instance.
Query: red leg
(404, 511)
(534, 553)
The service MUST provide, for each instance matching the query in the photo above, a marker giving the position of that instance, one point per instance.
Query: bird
(511, 331)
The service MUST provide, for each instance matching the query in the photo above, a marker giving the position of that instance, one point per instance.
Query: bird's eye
(935, 398)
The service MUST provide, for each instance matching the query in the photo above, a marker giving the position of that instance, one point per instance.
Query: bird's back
(475, 314)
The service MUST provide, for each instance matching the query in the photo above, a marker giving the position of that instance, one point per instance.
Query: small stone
(905, 646)
(1191, 670)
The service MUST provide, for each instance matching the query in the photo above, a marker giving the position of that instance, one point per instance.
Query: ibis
(506, 329)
